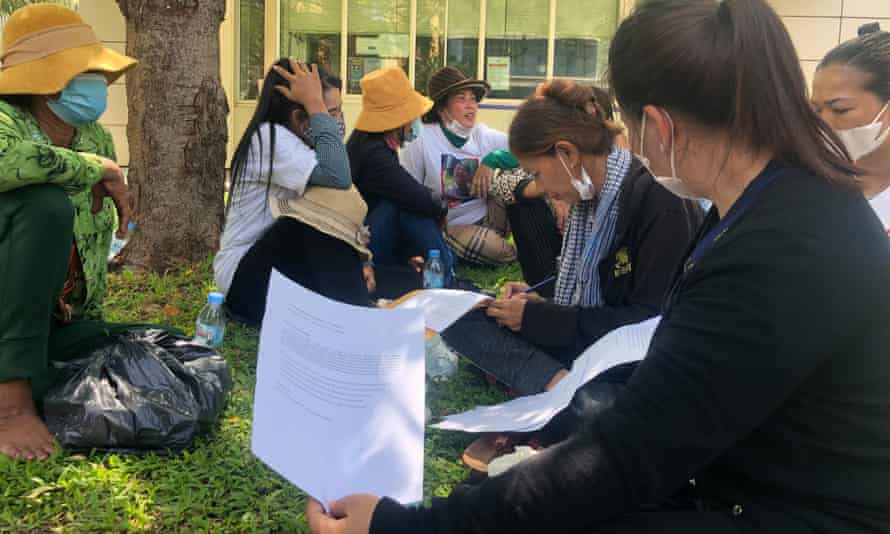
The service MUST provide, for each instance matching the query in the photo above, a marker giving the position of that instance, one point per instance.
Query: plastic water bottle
(441, 362)
(210, 328)
(118, 244)
(433, 271)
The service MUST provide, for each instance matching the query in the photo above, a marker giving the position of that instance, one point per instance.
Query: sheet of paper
(339, 404)
(442, 307)
(470, 212)
(526, 414)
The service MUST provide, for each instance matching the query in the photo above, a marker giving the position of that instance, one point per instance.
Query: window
(516, 46)
(430, 52)
(582, 42)
(252, 32)
(463, 35)
(310, 31)
(520, 38)
(378, 38)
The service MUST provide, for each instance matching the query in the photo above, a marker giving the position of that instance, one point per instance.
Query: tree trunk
(176, 129)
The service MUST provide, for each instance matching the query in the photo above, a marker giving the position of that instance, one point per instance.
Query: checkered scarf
(589, 237)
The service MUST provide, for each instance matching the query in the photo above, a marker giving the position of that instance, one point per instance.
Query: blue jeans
(397, 234)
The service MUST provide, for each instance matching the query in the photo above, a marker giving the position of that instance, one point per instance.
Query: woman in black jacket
(405, 217)
(625, 238)
(767, 380)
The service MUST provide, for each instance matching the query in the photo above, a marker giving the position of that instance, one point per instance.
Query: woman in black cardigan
(767, 380)
(405, 217)
(640, 232)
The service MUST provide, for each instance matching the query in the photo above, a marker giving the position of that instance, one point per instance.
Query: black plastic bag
(149, 390)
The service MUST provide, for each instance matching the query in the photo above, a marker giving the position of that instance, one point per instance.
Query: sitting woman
(851, 92)
(767, 381)
(449, 158)
(625, 238)
(56, 170)
(292, 142)
(538, 223)
(405, 218)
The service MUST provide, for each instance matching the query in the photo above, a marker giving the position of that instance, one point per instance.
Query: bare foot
(22, 433)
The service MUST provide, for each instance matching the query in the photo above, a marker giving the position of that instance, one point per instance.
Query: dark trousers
(316, 261)
(36, 232)
(538, 241)
(398, 234)
(500, 352)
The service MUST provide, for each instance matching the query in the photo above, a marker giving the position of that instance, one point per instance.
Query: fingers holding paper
(349, 515)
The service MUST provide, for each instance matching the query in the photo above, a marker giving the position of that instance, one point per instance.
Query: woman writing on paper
(765, 384)
(625, 238)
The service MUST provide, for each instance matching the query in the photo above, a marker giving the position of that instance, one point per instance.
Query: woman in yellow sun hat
(59, 187)
(404, 216)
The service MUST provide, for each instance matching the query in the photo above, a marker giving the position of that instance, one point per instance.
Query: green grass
(217, 486)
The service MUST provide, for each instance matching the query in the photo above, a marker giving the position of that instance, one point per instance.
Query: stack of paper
(527, 414)
(339, 406)
(443, 307)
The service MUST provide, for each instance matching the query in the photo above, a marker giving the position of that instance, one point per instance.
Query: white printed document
(527, 414)
(442, 307)
(339, 404)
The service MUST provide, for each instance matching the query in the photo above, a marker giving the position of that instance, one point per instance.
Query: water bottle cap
(434, 253)
(215, 298)
(131, 227)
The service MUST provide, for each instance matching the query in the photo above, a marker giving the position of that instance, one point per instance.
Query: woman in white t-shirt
(449, 157)
(851, 92)
(294, 140)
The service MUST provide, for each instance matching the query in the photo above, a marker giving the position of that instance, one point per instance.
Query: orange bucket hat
(46, 45)
(389, 101)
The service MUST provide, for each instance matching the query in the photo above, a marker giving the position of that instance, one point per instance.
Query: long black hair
(274, 108)
(729, 65)
(870, 53)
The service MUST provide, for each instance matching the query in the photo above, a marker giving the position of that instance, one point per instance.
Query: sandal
(489, 446)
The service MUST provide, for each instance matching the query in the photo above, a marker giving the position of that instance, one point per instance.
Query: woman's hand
(114, 186)
(509, 312)
(349, 515)
(513, 288)
(481, 181)
(303, 86)
(370, 279)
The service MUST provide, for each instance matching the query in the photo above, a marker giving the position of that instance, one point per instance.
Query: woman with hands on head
(293, 142)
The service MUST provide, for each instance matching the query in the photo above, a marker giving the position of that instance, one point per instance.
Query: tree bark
(176, 129)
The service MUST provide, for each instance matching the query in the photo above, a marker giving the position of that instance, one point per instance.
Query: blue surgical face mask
(414, 131)
(82, 101)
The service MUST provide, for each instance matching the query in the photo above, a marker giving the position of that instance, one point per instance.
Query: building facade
(514, 44)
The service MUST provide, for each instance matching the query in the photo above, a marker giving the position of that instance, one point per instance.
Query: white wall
(105, 17)
(817, 26)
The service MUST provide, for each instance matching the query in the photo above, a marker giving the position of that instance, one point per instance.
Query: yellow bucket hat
(389, 101)
(46, 45)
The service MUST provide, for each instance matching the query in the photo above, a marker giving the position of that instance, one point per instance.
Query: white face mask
(672, 183)
(457, 128)
(584, 186)
(864, 140)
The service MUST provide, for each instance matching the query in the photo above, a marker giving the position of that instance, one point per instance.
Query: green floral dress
(27, 157)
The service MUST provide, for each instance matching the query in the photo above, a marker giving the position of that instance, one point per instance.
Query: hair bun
(871, 27)
(570, 94)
